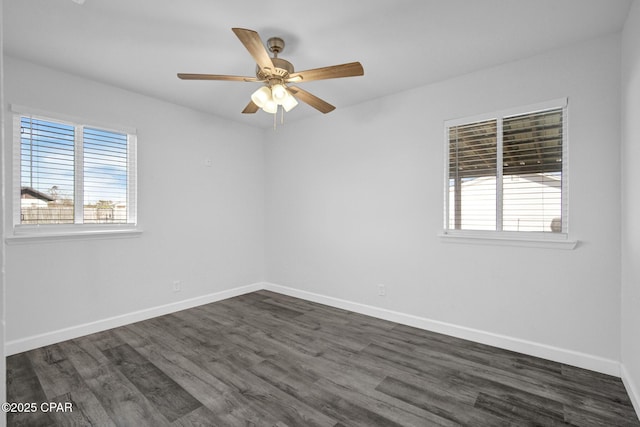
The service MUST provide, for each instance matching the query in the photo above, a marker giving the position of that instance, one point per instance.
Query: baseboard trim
(632, 390)
(36, 341)
(556, 354)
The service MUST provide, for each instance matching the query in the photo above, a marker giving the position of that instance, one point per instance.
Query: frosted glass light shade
(279, 93)
(261, 96)
(270, 106)
(289, 102)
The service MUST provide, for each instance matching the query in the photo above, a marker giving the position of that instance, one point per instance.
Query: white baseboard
(32, 342)
(632, 389)
(556, 354)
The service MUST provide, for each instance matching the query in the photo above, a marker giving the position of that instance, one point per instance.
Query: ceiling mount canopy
(277, 74)
(275, 45)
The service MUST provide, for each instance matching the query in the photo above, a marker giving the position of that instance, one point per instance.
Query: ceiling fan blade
(351, 69)
(251, 40)
(317, 103)
(250, 108)
(188, 76)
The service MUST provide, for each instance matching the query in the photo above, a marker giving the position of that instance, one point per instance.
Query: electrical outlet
(382, 290)
(177, 286)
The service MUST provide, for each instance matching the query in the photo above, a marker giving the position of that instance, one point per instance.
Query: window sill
(46, 234)
(554, 241)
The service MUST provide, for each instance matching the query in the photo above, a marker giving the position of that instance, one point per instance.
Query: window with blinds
(73, 174)
(506, 173)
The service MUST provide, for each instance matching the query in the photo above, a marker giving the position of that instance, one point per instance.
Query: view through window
(505, 174)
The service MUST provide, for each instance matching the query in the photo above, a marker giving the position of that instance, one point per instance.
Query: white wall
(356, 200)
(202, 225)
(631, 203)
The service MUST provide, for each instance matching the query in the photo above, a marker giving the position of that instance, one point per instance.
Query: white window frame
(31, 232)
(511, 238)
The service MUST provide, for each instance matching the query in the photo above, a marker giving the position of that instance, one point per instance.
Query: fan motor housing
(283, 64)
(283, 69)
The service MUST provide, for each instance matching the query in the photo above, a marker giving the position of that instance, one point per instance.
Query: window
(506, 172)
(72, 174)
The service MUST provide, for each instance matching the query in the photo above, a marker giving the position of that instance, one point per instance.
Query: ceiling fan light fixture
(289, 102)
(261, 96)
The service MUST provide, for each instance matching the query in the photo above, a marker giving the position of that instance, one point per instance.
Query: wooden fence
(65, 215)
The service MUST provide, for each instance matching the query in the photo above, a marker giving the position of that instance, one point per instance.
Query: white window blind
(69, 173)
(47, 162)
(472, 176)
(105, 176)
(506, 173)
(532, 172)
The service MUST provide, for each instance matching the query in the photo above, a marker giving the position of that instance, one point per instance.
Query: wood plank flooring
(265, 359)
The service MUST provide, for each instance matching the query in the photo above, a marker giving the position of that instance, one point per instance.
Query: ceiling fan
(277, 74)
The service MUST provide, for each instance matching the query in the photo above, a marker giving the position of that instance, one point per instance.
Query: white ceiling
(140, 45)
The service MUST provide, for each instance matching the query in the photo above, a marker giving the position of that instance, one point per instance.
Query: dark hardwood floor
(265, 359)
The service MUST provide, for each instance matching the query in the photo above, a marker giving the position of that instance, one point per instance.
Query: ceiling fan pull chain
(275, 122)
(282, 117)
